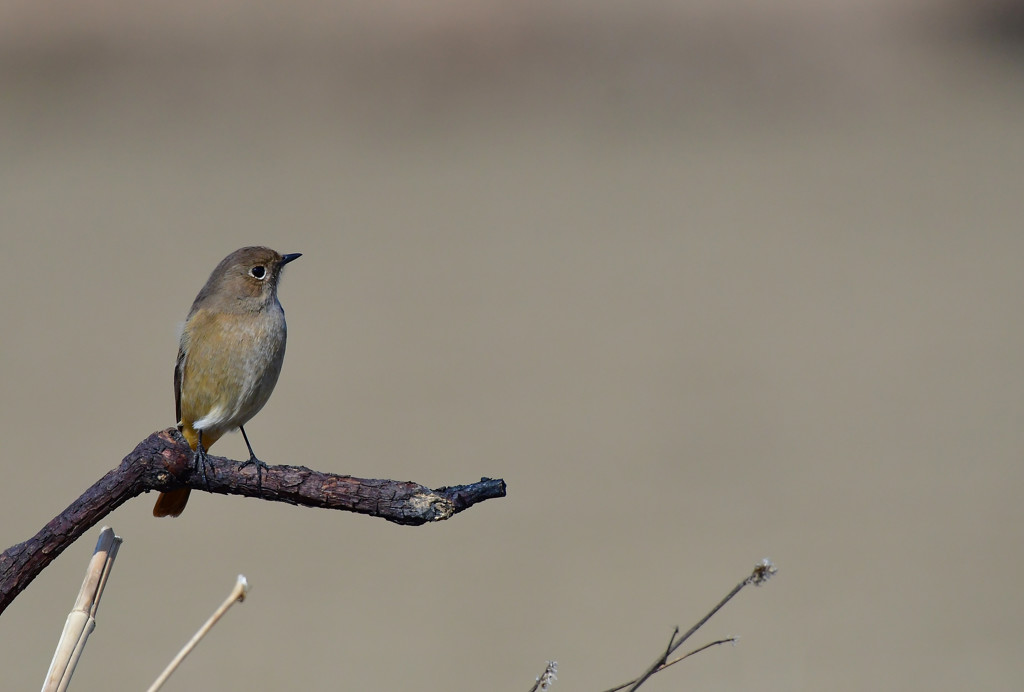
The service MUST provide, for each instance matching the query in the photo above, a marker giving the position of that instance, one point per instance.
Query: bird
(229, 358)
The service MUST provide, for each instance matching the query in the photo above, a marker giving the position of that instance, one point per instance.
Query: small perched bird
(229, 358)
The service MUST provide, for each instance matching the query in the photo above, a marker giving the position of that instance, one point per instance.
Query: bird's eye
(259, 271)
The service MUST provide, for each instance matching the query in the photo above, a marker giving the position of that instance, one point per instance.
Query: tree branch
(163, 461)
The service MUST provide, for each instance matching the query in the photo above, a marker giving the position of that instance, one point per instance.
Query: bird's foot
(260, 468)
(200, 462)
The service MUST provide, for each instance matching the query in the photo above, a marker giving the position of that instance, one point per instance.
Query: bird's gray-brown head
(244, 281)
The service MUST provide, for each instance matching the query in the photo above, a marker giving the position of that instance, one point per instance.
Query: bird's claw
(260, 467)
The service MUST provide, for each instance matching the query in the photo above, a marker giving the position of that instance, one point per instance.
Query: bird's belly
(228, 379)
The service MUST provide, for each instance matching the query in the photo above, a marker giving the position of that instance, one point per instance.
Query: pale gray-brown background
(704, 282)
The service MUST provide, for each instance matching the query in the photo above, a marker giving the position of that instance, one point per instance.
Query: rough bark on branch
(163, 461)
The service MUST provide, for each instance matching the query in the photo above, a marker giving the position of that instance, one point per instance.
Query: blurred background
(704, 282)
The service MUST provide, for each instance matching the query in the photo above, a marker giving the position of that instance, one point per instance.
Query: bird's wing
(179, 368)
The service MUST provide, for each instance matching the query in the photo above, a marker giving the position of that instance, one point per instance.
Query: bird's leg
(254, 461)
(200, 460)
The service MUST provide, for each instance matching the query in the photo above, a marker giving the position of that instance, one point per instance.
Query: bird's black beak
(285, 259)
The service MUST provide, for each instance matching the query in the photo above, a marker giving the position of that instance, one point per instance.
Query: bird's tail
(172, 503)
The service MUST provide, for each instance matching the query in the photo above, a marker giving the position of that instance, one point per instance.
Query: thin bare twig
(761, 574)
(547, 678)
(237, 595)
(728, 640)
